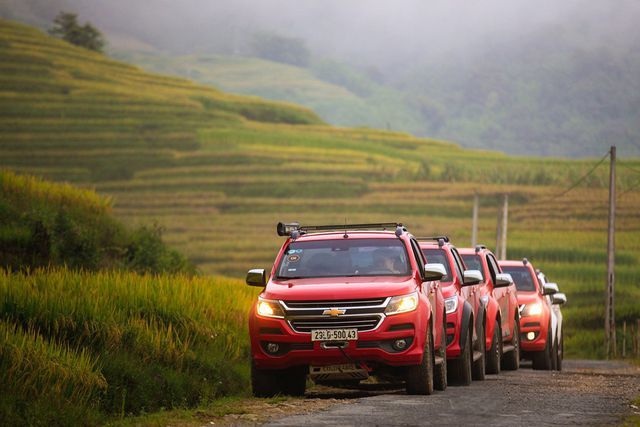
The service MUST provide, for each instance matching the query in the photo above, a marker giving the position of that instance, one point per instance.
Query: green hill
(339, 94)
(217, 171)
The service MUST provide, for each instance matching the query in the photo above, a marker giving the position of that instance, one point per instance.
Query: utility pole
(610, 319)
(474, 224)
(503, 234)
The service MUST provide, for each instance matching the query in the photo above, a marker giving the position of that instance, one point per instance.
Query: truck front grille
(363, 315)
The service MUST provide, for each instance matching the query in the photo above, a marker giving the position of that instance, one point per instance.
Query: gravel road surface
(584, 393)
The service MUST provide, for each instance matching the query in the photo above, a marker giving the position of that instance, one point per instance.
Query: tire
(265, 382)
(478, 369)
(294, 381)
(494, 355)
(542, 359)
(460, 372)
(511, 360)
(440, 372)
(554, 355)
(420, 377)
(560, 355)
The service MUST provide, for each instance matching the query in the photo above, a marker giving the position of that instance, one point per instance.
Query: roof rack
(435, 238)
(440, 239)
(289, 229)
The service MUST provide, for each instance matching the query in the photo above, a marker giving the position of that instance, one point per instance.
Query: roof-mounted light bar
(286, 229)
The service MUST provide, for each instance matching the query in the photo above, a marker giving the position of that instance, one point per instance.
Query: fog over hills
(544, 78)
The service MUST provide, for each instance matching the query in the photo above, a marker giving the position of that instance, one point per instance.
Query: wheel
(494, 355)
(265, 382)
(460, 372)
(420, 377)
(511, 360)
(294, 380)
(560, 355)
(478, 370)
(542, 359)
(440, 371)
(554, 355)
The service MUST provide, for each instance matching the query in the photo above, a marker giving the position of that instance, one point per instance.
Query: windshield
(521, 277)
(473, 263)
(344, 257)
(438, 256)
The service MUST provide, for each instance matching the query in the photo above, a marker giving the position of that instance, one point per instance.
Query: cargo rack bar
(434, 238)
(286, 229)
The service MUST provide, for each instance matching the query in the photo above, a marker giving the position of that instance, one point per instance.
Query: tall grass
(116, 343)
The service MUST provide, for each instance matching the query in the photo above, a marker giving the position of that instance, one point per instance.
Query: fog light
(400, 344)
(273, 347)
(531, 336)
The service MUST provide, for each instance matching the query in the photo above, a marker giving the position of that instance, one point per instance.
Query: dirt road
(584, 393)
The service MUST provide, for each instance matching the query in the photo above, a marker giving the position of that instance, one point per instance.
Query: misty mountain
(545, 78)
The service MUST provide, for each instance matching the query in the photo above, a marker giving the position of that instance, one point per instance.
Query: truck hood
(338, 288)
(527, 297)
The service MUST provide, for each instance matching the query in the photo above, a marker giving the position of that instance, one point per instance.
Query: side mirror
(434, 271)
(471, 277)
(503, 280)
(550, 288)
(257, 277)
(558, 298)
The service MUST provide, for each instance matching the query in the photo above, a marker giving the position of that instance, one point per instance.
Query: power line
(629, 168)
(634, 186)
(578, 182)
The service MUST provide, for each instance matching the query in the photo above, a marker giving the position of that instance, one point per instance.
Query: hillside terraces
(56, 98)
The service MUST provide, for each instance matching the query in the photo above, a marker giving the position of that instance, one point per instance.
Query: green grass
(110, 344)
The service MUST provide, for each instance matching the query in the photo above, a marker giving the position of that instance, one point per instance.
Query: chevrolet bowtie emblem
(334, 312)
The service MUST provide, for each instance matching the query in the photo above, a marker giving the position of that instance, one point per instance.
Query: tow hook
(334, 344)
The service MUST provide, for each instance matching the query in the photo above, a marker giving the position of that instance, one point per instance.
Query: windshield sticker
(293, 258)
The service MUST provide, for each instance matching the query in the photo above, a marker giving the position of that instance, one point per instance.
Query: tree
(67, 28)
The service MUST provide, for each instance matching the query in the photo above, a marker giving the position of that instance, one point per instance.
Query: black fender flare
(467, 311)
(480, 322)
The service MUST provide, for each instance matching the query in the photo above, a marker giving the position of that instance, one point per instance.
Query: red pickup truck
(537, 319)
(461, 292)
(499, 307)
(343, 302)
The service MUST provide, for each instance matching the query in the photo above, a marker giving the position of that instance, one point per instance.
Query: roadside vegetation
(215, 172)
(80, 348)
(45, 224)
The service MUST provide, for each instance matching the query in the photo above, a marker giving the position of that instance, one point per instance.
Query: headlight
(402, 304)
(534, 309)
(269, 308)
(451, 304)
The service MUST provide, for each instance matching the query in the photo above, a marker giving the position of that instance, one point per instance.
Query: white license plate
(333, 369)
(334, 334)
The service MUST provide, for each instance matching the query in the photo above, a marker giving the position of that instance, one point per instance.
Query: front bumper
(372, 348)
(533, 337)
